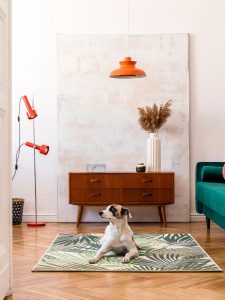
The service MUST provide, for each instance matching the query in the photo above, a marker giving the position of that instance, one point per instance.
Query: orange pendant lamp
(127, 67)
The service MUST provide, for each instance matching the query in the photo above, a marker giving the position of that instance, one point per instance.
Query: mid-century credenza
(125, 188)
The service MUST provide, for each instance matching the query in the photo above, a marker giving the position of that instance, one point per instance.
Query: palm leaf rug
(159, 253)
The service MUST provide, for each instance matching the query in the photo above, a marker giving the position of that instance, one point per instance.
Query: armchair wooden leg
(208, 223)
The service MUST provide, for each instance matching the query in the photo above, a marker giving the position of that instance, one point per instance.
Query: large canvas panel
(98, 117)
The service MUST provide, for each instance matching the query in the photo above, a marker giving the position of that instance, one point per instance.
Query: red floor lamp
(43, 149)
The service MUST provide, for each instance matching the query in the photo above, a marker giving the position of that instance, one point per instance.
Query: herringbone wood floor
(30, 243)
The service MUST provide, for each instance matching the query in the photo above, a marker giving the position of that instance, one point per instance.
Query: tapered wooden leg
(162, 214)
(208, 223)
(79, 214)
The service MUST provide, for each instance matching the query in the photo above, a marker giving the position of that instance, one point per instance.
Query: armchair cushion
(212, 194)
(212, 174)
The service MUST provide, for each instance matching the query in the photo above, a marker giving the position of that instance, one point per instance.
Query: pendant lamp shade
(127, 69)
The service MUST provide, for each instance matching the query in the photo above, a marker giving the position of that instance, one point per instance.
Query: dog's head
(114, 212)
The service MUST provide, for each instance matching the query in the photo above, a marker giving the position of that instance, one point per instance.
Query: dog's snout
(100, 213)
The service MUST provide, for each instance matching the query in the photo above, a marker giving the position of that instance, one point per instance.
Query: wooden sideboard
(125, 188)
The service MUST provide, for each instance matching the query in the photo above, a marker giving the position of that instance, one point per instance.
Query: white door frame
(5, 150)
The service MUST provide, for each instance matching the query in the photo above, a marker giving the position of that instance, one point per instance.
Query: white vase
(153, 152)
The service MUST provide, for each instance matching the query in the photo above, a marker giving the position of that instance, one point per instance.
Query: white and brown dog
(118, 235)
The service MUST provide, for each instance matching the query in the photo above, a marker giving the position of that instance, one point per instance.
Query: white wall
(35, 28)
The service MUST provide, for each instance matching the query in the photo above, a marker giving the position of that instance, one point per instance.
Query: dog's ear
(125, 212)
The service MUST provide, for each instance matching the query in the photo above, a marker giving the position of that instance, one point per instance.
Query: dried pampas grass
(153, 118)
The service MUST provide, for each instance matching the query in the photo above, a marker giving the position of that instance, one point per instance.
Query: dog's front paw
(92, 261)
(125, 260)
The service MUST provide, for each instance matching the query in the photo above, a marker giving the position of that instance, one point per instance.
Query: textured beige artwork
(98, 117)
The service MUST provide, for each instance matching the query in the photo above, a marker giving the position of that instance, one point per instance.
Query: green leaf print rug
(159, 253)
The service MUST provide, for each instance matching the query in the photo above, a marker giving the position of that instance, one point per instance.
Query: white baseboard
(54, 218)
(9, 293)
(40, 218)
(195, 217)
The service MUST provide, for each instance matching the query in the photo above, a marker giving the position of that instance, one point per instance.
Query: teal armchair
(210, 192)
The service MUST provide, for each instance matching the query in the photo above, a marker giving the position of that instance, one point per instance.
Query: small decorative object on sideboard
(95, 167)
(140, 167)
(151, 119)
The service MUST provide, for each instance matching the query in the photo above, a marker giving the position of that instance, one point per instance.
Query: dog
(118, 235)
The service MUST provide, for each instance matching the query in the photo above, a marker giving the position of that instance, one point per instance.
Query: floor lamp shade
(43, 149)
(31, 113)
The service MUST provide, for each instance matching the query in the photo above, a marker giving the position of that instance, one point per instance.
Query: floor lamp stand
(36, 223)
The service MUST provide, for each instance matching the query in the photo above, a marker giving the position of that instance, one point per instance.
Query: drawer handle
(95, 194)
(147, 194)
(146, 180)
(94, 180)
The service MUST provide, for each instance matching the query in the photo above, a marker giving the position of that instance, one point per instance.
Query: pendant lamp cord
(128, 27)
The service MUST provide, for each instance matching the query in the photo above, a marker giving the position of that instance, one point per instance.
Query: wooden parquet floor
(30, 243)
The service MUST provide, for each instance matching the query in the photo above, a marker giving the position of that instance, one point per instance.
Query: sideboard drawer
(95, 180)
(147, 196)
(95, 196)
(147, 180)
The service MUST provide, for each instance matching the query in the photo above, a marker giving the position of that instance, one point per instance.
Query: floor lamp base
(34, 224)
